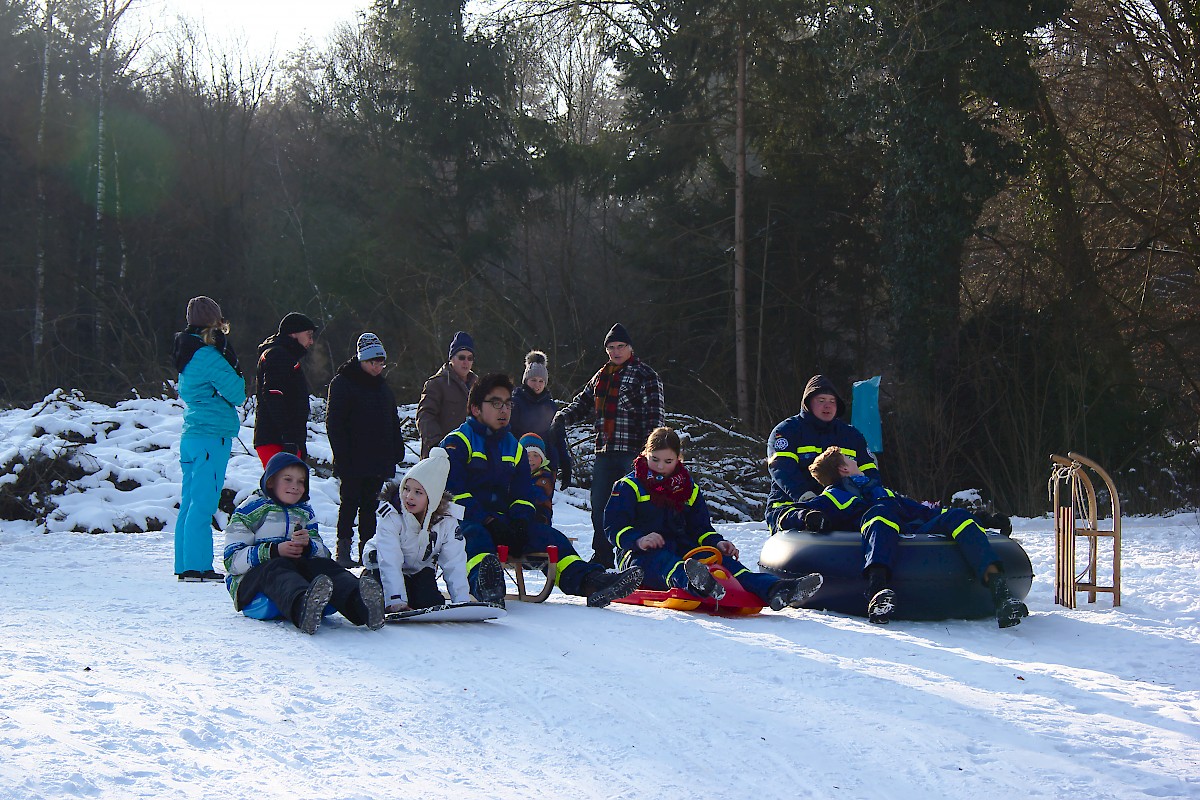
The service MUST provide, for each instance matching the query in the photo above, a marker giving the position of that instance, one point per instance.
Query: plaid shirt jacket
(640, 408)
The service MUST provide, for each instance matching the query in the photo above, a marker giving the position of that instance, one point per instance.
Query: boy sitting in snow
(272, 548)
(417, 532)
(852, 500)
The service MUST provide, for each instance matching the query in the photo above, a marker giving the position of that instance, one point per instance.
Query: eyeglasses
(464, 357)
(615, 347)
(498, 404)
(379, 362)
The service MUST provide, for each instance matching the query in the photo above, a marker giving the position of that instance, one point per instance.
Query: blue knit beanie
(461, 341)
(278, 462)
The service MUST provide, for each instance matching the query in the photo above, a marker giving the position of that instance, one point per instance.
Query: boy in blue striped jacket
(854, 501)
(274, 553)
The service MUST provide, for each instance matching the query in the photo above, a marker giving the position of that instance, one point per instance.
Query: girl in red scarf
(656, 514)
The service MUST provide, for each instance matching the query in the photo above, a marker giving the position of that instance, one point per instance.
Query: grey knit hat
(203, 312)
(370, 347)
(535, 366)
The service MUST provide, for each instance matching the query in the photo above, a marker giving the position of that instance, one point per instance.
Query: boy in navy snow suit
(798, 440)
(272, 548)
(489, 478)
(854, 500)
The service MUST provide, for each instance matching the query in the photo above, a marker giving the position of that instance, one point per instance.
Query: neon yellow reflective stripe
(462, 496)
(959, 529)
(678, 564)
(691, 501)
(621, 533)
(846, 451)
(784, 454)
(513, 459)
(521, 502)
(865, 467)
(781, 503)
(833, 499)
(741, 571)
(705, 536)
(810, 449)
(641, 498)
(471, 452)
(566, 562)
(474, 562)
(884, 520)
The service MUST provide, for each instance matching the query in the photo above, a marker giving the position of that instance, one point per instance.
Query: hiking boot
(343, 558)
(602, 587)
(881, 606)
(372, 597)
(793, 592)
(489, 580)
(701, 581)
(190, 575)
(211, 575)
(1009, 610)
(314, 602)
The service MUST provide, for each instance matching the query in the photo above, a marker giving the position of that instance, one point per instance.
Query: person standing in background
(281, 422)
(443, 405)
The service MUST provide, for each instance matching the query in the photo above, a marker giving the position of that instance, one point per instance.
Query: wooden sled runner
(737, 602)
(451, 612)
(546, 563)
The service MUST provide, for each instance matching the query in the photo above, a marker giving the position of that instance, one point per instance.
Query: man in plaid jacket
(625, 401)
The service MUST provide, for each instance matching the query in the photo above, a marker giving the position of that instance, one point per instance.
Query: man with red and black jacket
(281, 422)
(624, 400)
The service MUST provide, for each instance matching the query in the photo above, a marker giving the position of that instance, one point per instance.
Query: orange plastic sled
(737, 602)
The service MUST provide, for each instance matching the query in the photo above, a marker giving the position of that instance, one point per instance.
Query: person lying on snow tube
(853, 500)
(656, 514)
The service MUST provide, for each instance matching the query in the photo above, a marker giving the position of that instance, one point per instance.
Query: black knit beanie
(617, 333)
(295, 322)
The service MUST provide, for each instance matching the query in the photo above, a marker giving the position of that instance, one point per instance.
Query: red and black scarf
(672, 490)
(608, 389)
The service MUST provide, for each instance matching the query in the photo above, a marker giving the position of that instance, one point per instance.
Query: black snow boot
(1009, 610)
(312, 604)
(793, 592)
(372, 597)
(343, 558)
(701, 581)
(489, 580)
(601, 587)
(881, 601)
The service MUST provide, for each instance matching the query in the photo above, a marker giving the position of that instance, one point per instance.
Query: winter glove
(564, 475)
(511, 534)
(813, 520)
(291, 447)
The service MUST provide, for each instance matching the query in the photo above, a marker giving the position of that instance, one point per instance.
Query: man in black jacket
(364, 433)
(281, 389)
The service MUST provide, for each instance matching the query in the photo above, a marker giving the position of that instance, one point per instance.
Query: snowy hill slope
(116, 681)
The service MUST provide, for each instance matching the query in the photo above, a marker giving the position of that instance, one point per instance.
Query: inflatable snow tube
(930, 577)
(261, 607)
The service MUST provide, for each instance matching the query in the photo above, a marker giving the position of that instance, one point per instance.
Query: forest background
(993, 204)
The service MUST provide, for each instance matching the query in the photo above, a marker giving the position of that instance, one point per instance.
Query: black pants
(359, 497)
(285, 580)
(422, 589)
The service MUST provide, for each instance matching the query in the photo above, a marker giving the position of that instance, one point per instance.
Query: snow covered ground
(116, 681)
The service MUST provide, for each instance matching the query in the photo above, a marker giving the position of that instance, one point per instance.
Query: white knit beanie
(370, 347)
(431, 472)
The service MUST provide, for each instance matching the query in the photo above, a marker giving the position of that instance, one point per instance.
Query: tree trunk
(739, 238)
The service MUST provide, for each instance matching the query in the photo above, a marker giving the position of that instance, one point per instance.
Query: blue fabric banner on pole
(864, 412)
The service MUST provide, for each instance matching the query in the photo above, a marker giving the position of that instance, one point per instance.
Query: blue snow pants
(571, 568)
(881, 537)
(203, 459)
(664, 570)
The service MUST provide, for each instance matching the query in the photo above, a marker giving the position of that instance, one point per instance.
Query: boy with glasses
(489, 478)
(443, 405)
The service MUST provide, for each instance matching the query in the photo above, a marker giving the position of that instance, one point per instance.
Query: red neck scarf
(608, 389)
(665, 490)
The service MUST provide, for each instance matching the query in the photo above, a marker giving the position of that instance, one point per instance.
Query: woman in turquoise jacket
(212, 387)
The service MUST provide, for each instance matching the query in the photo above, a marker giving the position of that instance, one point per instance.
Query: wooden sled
(737, 602)
(451, 612)
(546, 563)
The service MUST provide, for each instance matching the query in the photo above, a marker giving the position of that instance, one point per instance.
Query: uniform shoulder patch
(780, 443)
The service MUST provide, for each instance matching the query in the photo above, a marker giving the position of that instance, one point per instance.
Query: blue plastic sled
(261, 607)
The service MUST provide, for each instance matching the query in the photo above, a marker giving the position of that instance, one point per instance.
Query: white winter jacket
(402, 548)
